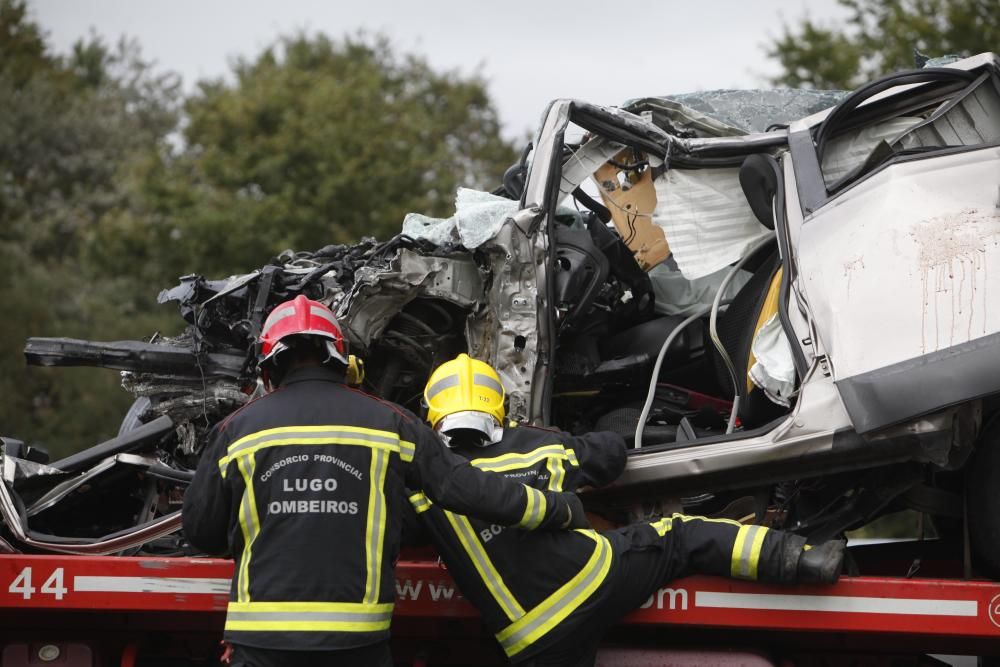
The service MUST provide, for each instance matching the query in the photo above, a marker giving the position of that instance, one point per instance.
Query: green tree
(313, 142)
(72, 125)
(106, 196)
(878, 37)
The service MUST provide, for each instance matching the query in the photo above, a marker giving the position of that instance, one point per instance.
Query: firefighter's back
(317, 525)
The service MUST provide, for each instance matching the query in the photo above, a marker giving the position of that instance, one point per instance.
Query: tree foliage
(70, 126)
(314, 142)
(112, 185)
(881, 36)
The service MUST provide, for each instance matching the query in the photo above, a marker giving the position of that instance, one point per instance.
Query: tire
(983, 496)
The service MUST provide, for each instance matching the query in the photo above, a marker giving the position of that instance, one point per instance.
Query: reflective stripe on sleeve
(308, 617)
(407, 450)
(249, 525)
(514, 461)
(534, 510)
(375, 526)
(557, 473)
(488, 573)
(421, 503)
(746, 551)
(525, 631)
(310, 435)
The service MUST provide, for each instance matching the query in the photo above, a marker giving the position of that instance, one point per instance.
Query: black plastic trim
(916, 387)
(139, 437)
(808, 175)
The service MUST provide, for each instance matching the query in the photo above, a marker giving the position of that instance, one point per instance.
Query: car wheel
(984, 501)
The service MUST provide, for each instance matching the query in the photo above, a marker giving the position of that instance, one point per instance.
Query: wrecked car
(780, 298)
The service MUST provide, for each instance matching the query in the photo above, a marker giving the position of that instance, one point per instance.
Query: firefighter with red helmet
(549, 598)
(304, 488)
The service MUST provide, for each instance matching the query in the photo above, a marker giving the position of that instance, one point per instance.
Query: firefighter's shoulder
(402, 412)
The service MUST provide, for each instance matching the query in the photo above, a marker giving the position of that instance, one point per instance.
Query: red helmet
(301, 317)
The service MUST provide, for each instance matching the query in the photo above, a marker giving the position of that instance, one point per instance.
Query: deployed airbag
(706, 218)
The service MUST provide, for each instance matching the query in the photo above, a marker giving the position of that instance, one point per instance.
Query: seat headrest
(759, 176)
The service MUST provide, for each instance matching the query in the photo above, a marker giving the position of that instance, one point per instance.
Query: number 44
(52, 586)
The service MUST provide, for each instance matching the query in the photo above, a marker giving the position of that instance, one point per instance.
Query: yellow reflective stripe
(306, 626)
(310, 606)
(548, 614)
(224, 466)
(421, 503)
(310, 435)
(249, 525)
(514, 461)
(388, 437)
(375, 526)
(407, 450)
(755, 548)
(308, 442)
(736, 562)
(488, 573)
(663, 526)
(746, 551)
(308, 617)
(534, 510)
(556, 474)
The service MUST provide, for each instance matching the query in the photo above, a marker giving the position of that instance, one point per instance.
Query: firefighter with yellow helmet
(465, 398)
(549, 597)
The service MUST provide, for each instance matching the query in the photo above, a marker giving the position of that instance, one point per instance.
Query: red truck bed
(133, 602)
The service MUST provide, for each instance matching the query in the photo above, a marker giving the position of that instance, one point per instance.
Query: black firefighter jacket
(305, 489)
(523, 605)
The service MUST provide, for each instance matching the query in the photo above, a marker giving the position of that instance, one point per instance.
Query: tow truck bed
(157, 611)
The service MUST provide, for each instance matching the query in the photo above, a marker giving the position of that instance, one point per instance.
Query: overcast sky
(529, 51)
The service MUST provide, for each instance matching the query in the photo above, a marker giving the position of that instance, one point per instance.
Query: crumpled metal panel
(724, 113)
(380, 293)
(15, 469)
(504, 331)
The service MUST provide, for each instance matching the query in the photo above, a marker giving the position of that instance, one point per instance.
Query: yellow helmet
(461, 392)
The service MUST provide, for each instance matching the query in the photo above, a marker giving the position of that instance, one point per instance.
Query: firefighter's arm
(208, 503)
(601, 455)
(413, 533)
(452, 482)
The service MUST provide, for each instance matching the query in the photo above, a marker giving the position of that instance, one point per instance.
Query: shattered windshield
(720, 113)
